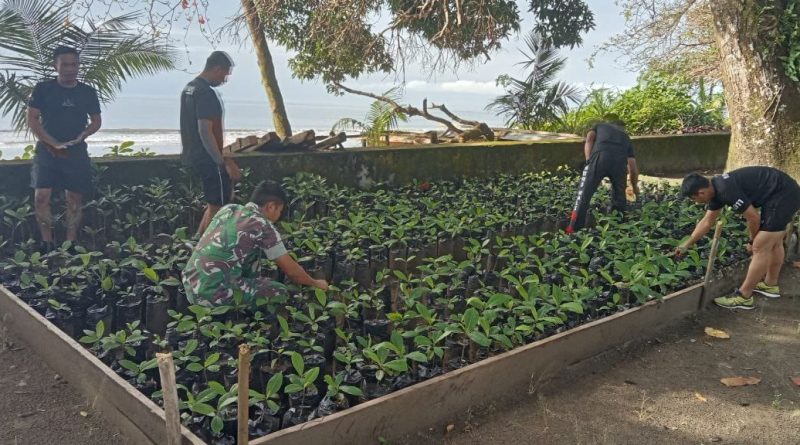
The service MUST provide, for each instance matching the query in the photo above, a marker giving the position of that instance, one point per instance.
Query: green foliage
(789, 39)
(538, 99)
(381, 118)
(126, 149)
(658, 104)
(333, 41)
(562, 21)
(111, 52)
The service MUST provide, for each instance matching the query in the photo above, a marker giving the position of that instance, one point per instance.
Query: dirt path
(37, 407)
(666, 390)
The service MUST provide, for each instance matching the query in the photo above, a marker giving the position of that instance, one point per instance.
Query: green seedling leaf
(211, 359)
(151, 274)
(216, 387)
(573, 306)
(311, 375)
(292, 388)
(417, 357)
(216, 424)
(194, 367)
(352, 390)
(479, 338)
(274, 384)
(204, 409)
(397, 365)
(130, 366)
(297, 362)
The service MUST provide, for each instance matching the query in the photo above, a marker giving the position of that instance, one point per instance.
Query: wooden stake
(244, 393)
(166, 367)
(712, 257)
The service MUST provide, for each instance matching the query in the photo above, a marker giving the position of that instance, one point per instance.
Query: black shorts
(217, 186)
(779, 211)
(72, 172)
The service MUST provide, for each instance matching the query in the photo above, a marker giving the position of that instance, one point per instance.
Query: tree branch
(408, 109)
(449, 114)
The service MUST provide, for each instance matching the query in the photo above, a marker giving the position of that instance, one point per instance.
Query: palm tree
(111, 52)
(381, 118)
(537, 99)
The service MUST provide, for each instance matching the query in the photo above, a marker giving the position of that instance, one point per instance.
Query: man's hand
(680, 250)
(81, 137)
(321, 284)
(749, 248)
(233, 170)
(58, 149)
(635, 187)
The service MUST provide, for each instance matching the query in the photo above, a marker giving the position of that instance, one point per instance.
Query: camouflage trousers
(252, 290)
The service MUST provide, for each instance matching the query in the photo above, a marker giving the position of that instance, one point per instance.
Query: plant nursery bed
(446, 295)
(403, 412)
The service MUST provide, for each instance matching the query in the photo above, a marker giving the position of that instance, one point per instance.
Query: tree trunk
(267, 68)
(764, 104)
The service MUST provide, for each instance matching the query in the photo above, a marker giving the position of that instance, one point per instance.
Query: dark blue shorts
(217, 186)
(72, 172)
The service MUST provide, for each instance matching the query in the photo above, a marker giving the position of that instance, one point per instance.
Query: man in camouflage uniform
(227, 257)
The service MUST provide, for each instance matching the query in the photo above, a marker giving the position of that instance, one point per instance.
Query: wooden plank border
(438, 400)
(443, 398)
(138, 418)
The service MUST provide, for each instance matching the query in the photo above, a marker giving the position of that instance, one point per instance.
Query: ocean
(152, 123)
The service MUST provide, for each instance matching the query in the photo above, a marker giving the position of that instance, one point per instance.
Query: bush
(659, 104)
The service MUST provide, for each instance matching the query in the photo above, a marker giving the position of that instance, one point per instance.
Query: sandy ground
(37, 407)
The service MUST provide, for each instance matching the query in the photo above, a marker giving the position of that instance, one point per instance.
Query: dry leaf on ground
(796, 264)
(449, 428)
(716, 333)
(796, 380)
(700, 397)
(740, 381)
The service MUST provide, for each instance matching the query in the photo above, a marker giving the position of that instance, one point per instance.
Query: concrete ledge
(367, 167)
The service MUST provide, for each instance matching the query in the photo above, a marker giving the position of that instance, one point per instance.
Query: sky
(152, 102)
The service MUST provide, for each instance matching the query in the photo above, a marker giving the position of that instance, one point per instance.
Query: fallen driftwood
(270, 142)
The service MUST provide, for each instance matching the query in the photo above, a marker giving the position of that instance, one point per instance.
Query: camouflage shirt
(228, 255)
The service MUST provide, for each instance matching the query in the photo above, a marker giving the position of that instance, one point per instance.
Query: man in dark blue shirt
(62, 113)
(609, 154)
(745, 190)
(202, 122)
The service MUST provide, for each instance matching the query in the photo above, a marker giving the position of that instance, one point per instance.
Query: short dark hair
(219, 59)
(614, 119)
(268, 191)
(692, 183)
(62, 49)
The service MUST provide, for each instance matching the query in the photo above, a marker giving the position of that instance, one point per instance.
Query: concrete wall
(657, 155)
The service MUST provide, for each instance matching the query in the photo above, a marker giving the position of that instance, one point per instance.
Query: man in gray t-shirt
(202, 119)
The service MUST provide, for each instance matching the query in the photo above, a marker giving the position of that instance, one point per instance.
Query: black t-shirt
(612, 140)
(748, 186)
(64, 110)
(198, 101)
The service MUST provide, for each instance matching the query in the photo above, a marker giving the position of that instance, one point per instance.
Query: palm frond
(111, 52)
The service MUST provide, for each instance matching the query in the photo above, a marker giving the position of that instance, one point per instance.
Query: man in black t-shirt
(62, 113)
(745, 190)
(609, 154)
(202, 129)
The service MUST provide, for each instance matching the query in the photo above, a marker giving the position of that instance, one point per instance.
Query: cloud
(487, 88)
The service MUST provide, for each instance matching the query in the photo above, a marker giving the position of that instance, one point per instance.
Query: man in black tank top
(609, 154)
(772, 191)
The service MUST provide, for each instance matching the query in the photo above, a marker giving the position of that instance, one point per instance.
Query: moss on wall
(657, 155)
